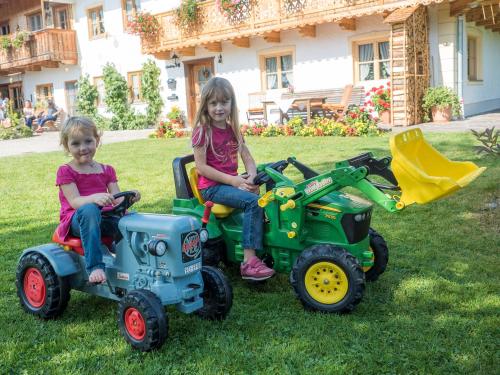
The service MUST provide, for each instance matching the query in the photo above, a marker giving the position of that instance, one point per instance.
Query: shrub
(86, 97)
(116, 98)
(150, 91)
(489, 140)
(440, 97)
(176, 115)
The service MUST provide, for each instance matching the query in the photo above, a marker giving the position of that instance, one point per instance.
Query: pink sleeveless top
(87, 184)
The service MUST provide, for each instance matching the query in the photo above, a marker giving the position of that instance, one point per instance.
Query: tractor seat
(75, 243)
(218, 210)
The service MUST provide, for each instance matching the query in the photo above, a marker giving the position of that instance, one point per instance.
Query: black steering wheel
(121, 208)
(264, 178)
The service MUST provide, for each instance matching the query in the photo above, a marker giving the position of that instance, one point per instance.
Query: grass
(434, 311)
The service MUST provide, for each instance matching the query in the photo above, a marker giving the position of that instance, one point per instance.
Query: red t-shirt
(87, 184)
(225, 158)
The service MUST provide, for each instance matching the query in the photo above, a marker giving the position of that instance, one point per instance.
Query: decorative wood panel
(410, 64)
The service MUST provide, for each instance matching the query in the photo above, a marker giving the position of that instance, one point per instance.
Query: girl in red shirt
(217, 141)
(86, 186)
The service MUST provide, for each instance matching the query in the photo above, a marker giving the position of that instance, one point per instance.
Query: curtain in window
(286, 71)
(383, 52)
(271, 73)
(366, 62)
(101, 21)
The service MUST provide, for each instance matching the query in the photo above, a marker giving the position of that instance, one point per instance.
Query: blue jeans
(253, 215)
(88, 224)
(47, 118)
(29, 121)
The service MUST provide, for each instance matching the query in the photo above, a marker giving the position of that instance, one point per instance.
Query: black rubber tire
(56, 288)
(153, 314)
(381, 255)
(342, 259)
(217, 294)
(214, 251)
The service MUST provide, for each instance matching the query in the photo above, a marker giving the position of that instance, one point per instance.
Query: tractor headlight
(157, 247)
(203, 235)
(359, 217)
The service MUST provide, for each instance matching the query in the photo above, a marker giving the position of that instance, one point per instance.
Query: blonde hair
(222, 89)
(78, 124)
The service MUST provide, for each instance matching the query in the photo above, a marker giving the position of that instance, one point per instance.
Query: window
(44, 92)
(99, 83)
(277, 71)
(129, 10)
(35, 21)
(95, 18)
(61, 18)
(473, 58)
(4, 28)
(372, 60)
(134, 84)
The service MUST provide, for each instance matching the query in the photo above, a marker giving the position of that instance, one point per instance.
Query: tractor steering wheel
(264, 178)
(119, 209)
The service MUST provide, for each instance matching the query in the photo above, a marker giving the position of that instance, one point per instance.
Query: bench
(327, 103)
(51, 125)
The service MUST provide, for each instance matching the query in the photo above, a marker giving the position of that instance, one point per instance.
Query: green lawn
(434, 311)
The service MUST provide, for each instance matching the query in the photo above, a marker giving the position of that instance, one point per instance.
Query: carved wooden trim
(348, 24)
(272, 37)
(241, 42)
(214, 46)
(308, 31)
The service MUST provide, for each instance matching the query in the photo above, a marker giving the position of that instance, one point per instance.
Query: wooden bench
(325, 102)
(51, 125)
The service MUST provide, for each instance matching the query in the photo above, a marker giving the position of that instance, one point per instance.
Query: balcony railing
(258, 17)
(44, 48)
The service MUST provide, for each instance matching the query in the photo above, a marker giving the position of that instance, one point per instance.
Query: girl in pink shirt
(217, 141)
(85, 188)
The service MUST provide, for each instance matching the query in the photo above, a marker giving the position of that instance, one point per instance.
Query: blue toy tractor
(156, 263)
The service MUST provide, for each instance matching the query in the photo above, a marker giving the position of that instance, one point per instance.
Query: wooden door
(199, 72)
(16, 95)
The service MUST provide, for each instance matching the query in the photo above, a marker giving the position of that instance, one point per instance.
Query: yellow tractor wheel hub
(326, 283)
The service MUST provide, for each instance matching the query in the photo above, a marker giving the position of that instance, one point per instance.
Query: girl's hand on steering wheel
(103, 199)
(137, 197)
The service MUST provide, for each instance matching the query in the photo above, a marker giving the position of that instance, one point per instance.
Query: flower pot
(385, 117)
(441, 115)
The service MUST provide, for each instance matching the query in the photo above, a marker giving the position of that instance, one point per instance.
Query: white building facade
(462, 55)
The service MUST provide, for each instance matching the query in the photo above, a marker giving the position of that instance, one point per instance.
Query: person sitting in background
(2, 108)
(28, 113)
(52, 113)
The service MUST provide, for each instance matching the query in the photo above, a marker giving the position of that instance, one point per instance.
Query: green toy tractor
(317, 233)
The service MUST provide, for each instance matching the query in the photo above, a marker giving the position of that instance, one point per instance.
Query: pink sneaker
(255, 269)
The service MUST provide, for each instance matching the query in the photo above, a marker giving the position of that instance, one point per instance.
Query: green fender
(63, 262)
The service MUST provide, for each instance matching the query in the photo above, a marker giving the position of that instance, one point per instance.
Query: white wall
(484, 95)
(323, 62)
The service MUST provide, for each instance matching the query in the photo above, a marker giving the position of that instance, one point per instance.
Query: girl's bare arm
(74, 198)
(200, 160)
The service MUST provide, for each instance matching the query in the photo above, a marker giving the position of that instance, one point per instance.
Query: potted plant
(19, 38)
(380, 99)
(176, 116)
(234, 9)
(145, 25)
(5, 43)
(442, 102)
(187, 13)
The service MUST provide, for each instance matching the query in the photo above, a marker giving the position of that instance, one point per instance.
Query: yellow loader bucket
(423, 173)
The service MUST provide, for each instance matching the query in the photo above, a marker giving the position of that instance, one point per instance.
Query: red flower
(367, 94)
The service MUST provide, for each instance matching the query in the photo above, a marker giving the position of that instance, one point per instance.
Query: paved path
(49, 141)
(478, 122)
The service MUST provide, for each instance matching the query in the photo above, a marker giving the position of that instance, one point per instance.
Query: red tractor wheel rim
(134, 323)
(34, 287)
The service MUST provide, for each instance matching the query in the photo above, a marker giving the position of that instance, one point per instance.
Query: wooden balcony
(44, 48)
(265, 18)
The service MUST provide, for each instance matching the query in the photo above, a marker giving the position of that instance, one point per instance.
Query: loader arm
(312, 189)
